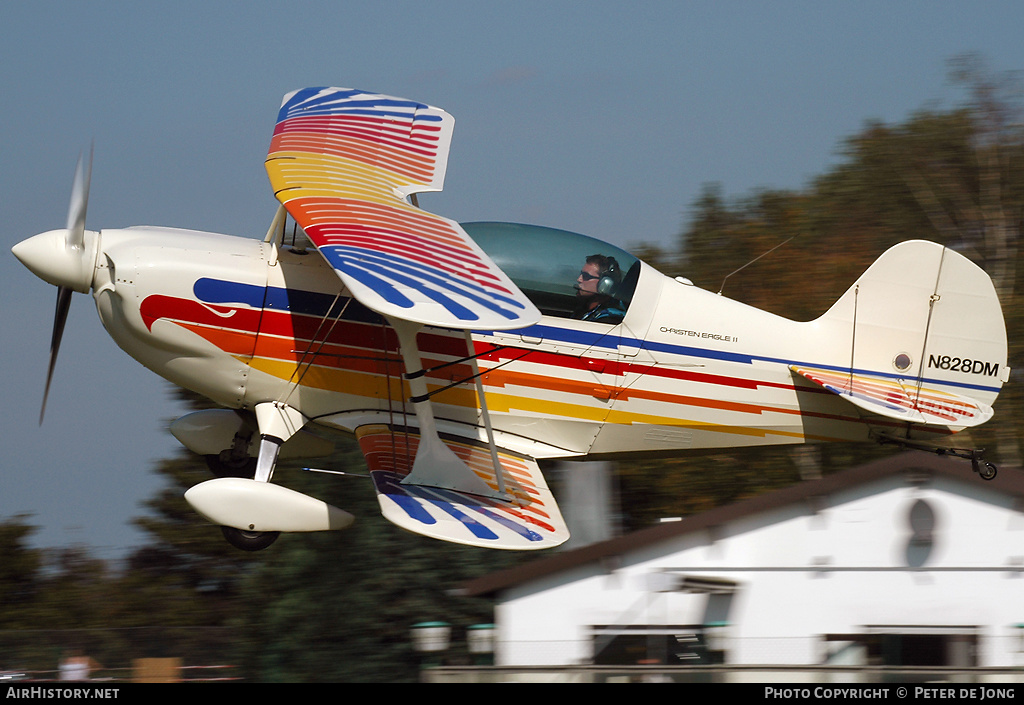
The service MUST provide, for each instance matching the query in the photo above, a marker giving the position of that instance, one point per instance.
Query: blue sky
(601, 117)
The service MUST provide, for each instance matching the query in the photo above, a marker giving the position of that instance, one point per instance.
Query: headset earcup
(606, 286)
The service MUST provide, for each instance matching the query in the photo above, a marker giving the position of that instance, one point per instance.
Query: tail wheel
(987, 471)
(249, 540)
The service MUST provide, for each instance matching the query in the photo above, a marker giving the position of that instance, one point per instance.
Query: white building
(911, 560)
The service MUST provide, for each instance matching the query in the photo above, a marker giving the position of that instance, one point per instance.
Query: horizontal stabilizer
(901, 399)
(260, 506)
(529, 519)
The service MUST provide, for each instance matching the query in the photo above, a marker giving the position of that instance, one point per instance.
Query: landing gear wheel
(244, 467)
(249, 540)
(987, 471)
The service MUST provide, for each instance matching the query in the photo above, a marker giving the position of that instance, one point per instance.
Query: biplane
(461, 355)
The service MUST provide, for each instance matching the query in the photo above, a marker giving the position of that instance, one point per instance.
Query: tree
(20, 568)
(339, 606)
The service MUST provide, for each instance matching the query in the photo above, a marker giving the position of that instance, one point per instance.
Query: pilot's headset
(608, 285)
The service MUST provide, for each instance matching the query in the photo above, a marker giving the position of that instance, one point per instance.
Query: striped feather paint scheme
(900, 398)
(529, 519)
(343, 162)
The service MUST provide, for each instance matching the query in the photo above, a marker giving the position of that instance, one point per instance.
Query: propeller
(65, 258)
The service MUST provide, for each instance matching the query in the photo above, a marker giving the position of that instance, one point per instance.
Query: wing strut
(498, 474)
(435, 464)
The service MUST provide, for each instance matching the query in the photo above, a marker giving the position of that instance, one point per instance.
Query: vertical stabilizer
(922, 322)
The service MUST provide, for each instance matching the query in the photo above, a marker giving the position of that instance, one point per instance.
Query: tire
(249, 540)
(988, 471)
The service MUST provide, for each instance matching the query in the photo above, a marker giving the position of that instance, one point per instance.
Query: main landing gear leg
(257, 540)
(277, 423)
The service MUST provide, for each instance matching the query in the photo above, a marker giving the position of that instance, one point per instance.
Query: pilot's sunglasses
(587, 276)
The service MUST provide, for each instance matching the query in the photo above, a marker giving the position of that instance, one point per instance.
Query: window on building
(905, 646)
(671, 645)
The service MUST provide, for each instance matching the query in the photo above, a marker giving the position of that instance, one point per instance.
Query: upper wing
(901, 399)
(343, 162)
(528, 519)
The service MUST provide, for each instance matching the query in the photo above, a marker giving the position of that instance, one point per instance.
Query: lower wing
(527, 518)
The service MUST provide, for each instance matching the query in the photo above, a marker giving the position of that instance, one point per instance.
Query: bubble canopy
(545, 262)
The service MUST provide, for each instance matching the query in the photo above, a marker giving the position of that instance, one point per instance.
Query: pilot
(596, 286)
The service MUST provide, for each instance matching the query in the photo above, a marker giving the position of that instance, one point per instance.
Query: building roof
(1008, 481)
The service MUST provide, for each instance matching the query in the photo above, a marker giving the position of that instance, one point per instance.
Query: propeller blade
(64, 258)
(79, 203)
(59, 319)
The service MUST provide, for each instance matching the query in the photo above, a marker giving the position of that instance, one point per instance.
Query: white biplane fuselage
(685, 368)
(914, 351)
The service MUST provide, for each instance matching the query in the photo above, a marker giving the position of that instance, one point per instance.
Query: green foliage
(339, 606)
(19, 571)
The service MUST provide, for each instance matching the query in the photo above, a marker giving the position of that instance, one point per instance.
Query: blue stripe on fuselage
(217, 291)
